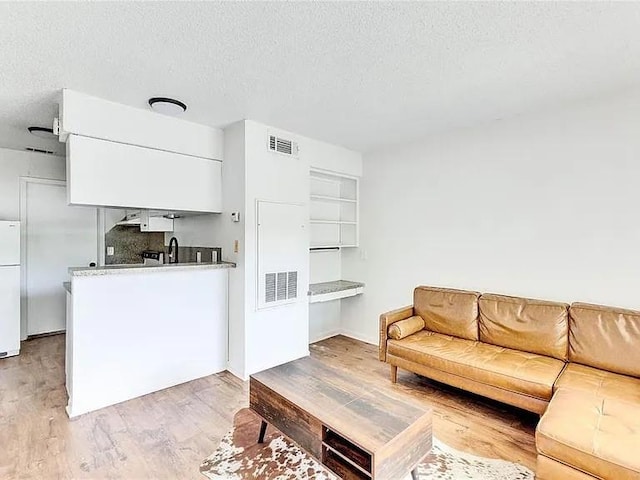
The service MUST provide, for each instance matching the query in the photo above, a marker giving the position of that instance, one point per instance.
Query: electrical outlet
(110, 251)
(236, 246)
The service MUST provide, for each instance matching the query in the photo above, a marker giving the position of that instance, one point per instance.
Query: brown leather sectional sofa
(578, 366)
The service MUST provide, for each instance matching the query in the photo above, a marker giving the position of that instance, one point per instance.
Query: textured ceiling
(357, 74)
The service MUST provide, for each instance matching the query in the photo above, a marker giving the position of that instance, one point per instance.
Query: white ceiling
(357, 74)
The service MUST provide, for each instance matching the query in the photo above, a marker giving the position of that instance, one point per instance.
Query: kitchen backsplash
(189, 254)
(129, 243)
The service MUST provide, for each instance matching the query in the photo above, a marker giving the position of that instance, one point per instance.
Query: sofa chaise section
(592, 424)
(596, 435)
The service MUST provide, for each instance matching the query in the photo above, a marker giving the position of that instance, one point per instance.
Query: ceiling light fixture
(42, 132)
(168, 106)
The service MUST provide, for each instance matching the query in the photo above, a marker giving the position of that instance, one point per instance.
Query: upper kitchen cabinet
(121, 156)
(112, 174)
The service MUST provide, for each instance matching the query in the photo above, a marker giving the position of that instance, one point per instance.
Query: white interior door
(57, 237)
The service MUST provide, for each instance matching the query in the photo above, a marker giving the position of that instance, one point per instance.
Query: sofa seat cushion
(606, 384)
(595, 434)
(512, 370)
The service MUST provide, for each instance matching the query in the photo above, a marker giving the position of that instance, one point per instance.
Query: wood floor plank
(167, 434)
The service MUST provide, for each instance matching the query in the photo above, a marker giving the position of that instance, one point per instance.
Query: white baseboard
(325, 335)
(237, 374)
(346, 333)
(358, 336)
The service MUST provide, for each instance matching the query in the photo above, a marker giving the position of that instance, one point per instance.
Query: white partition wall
(262, 336)
(94, 117)
(126, 343)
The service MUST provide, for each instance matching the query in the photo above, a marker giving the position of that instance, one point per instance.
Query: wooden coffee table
(354, 429)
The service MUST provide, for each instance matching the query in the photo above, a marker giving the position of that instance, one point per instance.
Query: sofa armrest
(387, 319)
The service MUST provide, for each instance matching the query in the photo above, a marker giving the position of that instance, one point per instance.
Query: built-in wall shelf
(327, 247)
(334, 222)
(333, 210)
(328, 291)
(324, 198)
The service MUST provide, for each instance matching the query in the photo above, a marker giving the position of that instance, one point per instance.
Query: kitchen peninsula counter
(138, 268)
(137, 329)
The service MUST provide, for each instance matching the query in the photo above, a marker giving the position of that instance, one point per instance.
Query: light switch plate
(110, 251)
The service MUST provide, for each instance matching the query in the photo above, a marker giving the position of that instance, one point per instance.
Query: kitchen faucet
(173, 251)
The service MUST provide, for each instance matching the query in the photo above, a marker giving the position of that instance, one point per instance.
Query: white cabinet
(151, 223)
(333, 210)
(110, 174)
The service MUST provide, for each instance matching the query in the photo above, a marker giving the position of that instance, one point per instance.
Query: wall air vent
(280, 286)
(282, 145)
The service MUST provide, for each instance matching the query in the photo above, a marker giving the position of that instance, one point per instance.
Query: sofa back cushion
(605, 337)
(448, 311)
(535, 326)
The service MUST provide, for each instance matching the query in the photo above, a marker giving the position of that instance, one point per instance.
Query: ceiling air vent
(282, 145)
(40, 150)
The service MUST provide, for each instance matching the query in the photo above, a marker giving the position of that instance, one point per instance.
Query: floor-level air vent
(280, 286)
(282, 145)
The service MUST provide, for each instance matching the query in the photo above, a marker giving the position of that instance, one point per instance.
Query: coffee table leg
(414, 474)
(263, 430)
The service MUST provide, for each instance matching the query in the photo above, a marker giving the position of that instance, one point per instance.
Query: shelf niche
(333, 210)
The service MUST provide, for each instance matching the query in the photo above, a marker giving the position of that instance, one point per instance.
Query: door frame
(24, 305)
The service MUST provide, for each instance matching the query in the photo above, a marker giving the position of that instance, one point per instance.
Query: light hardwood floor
(167, 434)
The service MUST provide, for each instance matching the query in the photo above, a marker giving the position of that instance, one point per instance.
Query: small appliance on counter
(152, 257)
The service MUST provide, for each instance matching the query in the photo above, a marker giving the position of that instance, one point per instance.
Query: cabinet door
(112, 174)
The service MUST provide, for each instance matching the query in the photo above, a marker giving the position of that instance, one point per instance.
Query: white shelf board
(333, 246)
(333, 222)
(326, 198)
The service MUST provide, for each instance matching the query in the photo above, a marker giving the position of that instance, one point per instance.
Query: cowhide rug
(240, 456)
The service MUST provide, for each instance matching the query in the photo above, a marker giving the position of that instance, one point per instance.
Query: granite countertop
(139, 268)
(332, 287)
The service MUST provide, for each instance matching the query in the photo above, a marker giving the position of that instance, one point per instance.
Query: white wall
(324, 317)
(16, 163)
(226, 233)
(325, 156)
(259, 339)
(278, 334)
(541, 206)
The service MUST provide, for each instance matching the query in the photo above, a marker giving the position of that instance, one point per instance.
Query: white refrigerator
(9, 288)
